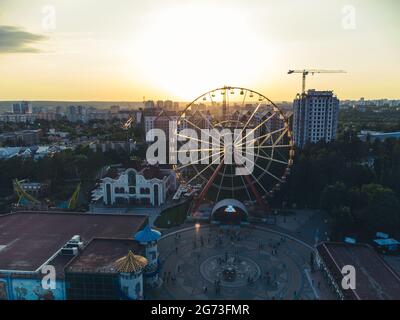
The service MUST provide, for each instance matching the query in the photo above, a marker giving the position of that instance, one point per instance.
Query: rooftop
(12, 133)
(147, 235)
(375, 280)
(101, 254)
(131, 263)
(147, 171)
(313, 92)
(386, 242)
(154, 173)
(29, 239)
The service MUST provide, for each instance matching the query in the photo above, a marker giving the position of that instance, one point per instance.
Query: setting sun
(187, 49)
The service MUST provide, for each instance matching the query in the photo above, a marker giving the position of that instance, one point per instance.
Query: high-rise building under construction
(315, 117)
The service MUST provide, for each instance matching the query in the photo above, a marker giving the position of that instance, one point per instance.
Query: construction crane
(306, 72)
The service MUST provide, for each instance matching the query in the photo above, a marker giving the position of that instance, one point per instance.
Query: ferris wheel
(243, 150)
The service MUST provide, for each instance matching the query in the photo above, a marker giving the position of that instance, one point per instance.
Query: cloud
(16, 40)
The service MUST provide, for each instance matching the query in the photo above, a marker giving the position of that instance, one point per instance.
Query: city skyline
(99, 51)
(236, 151)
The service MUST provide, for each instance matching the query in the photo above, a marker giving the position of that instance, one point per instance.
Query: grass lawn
(172, 217)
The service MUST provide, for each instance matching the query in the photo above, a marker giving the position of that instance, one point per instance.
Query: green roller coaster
(25, 198)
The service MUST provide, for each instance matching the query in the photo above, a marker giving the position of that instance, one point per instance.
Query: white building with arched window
(149, 186)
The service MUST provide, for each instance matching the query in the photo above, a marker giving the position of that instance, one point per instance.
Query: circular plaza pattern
(231, 270)
(243, 263)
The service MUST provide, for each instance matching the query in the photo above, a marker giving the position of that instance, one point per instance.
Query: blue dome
(147, 235)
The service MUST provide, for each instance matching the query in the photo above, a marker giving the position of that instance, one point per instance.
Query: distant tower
(149, 237)
(224, 107)
(20, 107)
(130, 269)
(160, 104)
(149, 104)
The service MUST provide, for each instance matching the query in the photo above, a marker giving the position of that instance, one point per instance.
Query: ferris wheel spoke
(190, 150)
(270, 147)
(198, 140)
(269, 158)
(281, 155)
(277, 140)
(191, 123)
(200, 128)
(202, 115)
(281, 136)
(199, 173)
(220, 185)
(284, 129)
(259, 183)
(208, 121)
(271, 155)
(238, 117)
(266, 171)
(247, 191)
(197, 161)
(233, 188)
(266, 136)
(268, 155)
(248, 121)
(258, 126)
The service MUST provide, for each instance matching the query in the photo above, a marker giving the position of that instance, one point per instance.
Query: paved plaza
(246, 263)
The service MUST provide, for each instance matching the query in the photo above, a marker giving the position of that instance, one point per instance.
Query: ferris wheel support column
(260, 201)
(207, 187)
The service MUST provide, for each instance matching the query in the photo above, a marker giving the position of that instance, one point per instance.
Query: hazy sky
(128, 49)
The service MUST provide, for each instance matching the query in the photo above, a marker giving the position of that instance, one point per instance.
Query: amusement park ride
(26, 199)
(271, 147)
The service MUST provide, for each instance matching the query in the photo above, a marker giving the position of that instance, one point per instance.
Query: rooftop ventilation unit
(70, 244)
(75, 238)
(69, 251)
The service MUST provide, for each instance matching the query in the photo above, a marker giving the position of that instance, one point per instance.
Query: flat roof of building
(101, 254)
(375, 279)
(30, 239)
(386, 242)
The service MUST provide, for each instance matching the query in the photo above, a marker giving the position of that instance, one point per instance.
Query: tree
(382, 212)
(334, 196)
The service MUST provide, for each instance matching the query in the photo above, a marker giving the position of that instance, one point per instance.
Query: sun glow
(188, 49)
